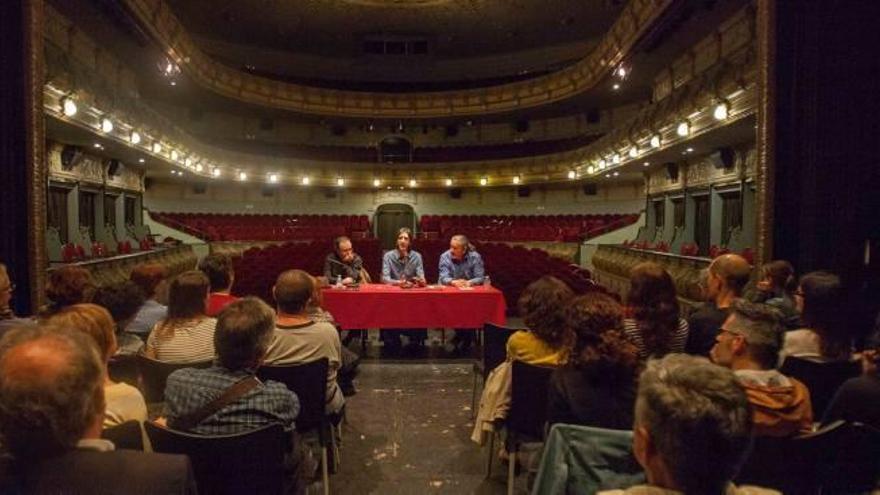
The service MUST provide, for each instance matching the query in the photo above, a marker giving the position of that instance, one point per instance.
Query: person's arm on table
(446, 269)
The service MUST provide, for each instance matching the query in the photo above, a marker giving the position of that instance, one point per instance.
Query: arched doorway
(391, 217)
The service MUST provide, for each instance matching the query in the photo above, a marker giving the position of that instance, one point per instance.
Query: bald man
(51, 413)
(726, 277)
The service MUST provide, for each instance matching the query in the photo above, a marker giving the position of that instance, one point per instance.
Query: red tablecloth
(384, 306)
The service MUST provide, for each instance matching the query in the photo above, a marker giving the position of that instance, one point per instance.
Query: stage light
(306, 180)
(106, 125)
(722, 111)
(683, 129)
(572, 174)
(68, 106)
(448, 182)
(134, 137)
(655, 141)
(516, 179)
(634, 152)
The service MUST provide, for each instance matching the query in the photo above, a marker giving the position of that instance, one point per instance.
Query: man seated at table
(344, 263)
(461, 266)
(402, 266)
(299, 339)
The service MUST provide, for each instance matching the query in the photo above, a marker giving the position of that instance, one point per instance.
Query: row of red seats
(689, 249)
(72, 252)
(558, 228)
(233, 227)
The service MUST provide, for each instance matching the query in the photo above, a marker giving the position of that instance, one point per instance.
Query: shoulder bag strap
(231, 394)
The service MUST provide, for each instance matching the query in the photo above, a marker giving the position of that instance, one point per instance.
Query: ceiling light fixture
(340, 181)
(377, 182)
(634, 152)
(484, 181)
(591, 169)
(174, 155)
(621, 72)
(413, 183)
(615, 87)
(516, 179)
(273, 178)
(615, 159)
(157, 147)
(722, 111)
(683, 129)
(134, 137)
(306, 180)
(141, 160)
(646, 164)
(187, 162)
(215, 172)
(616, 174)
(572, 174)
(199, 167)
(656, 141)
(602, 164)
(448, 182)
(68, 106)
(98, 146)
(242, 176)
(106, 125)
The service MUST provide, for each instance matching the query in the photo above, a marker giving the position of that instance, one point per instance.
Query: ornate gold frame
(36, 146)
(765, 138)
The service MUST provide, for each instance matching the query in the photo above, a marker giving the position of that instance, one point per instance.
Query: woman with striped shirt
(653, 324)
(187, 334)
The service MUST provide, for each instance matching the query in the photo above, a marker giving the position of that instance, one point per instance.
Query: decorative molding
(636, 19)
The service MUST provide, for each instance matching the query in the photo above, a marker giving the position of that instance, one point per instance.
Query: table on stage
(389, 306)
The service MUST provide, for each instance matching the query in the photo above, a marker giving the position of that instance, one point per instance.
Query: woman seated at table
(597, 385)
(542, 305)
(187, 334)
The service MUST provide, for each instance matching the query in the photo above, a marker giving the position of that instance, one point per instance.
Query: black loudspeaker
(592, 116)
(112, 167)
(70, 157)
(200, 188)
(590, 189)
(338, 130)
(267, 124)
(672, 171)
(523, 191)
(451, 131)
(455, 193)
(329, 193)
(521, 126)
(722, 158)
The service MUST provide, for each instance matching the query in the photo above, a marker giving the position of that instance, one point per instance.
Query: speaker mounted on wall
(672, 171)
(71, 156)
(591, 189)
(523, 191)
(113, 167)
(521, 126)
(455, 193)
(723, 158)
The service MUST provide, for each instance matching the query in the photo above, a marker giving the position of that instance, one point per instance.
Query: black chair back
(848, 459)
(124, 369)
(494, 346)
(821, 379)
(154, 374)
(528, 411)
(127, 435)
(250, 462)
(309, 382)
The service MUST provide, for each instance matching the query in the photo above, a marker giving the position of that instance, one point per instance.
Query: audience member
(187, 334)
(776, 286)
(344, 264)
(596, 387)
(122, 401)
(8, 319)
(748, 342)
(727, 275)
(461, 266)
(123, 300)
(218, 269)
(820, 300)
(299, 339)
(51, 412)
(692, 429)
(858, 399)
(402, 266)
(244, 331)
(542, 306)
(350, 360)
(148, 277)
(652, 322)
(68, 285)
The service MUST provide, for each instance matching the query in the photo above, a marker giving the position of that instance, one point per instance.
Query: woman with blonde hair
(124, 402)
(187, 334)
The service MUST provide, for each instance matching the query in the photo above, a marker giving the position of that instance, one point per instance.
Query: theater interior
(572, 138)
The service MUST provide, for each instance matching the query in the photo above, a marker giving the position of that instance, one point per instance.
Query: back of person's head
(595, 320)
(51, 391)
(243, 333)
(733, 270)
(186, 295)
(148, 276)
(780, 273)
(654, 305)
(122, 300)
(218, 268)
(92, 320)
(825, 311)
(69, 285)
(696, 416)
(293, 290)
(541, 305)
(760, 326)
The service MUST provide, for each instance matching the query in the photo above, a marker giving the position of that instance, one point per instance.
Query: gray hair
(760, 325)
(45, 407)
(460, 239)
(243, 333)
(698, 418)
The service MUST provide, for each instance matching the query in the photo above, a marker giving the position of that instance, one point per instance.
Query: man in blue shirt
(460, 267)
(399, 267)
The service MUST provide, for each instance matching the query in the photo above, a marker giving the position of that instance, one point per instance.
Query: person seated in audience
(244, 331)
(68, 285)
(299, 339)
(123, 300)
(51, 417)
(344, 264)
(776, 286)
(820, 300)
(542, 306)
(858, 399)
(596, 387)
(748, 342)
(652, 322)
(122, 401)
(218, 269)
(727, 275)
(8, 319)
(148, 277)
(402, 266)
(187, 334)
(350, 360)
(692, 429)
(461, 266)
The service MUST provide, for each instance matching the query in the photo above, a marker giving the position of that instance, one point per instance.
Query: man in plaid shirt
(242, 336)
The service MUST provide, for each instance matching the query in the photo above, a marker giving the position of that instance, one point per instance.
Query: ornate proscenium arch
(636, 19)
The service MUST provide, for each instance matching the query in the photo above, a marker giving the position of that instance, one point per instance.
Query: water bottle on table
(487, 282)
(339, 281)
